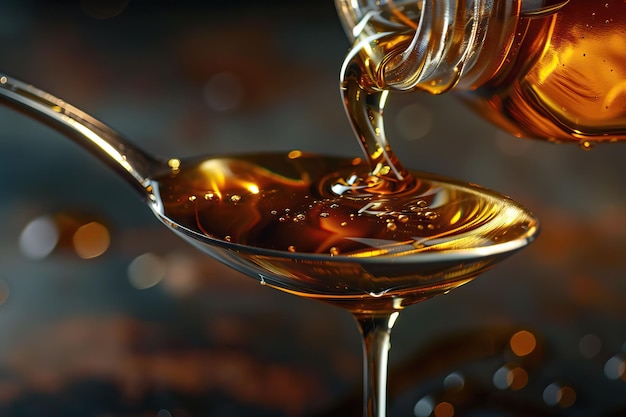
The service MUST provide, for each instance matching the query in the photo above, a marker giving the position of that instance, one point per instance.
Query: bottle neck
(435, 45)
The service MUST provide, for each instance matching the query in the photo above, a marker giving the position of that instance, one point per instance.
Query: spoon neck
(134, 165)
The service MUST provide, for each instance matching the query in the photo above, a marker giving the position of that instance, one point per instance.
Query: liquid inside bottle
(546, 69)
(563, 78)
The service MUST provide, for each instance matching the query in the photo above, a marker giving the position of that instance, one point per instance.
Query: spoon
(332, 262)
(275, 217)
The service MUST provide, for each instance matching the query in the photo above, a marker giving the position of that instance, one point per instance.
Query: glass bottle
(548, 69)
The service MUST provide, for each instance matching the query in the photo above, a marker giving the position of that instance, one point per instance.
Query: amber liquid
(356, 252)
(564, 80)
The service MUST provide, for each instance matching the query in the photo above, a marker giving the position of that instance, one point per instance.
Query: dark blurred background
(105, 313)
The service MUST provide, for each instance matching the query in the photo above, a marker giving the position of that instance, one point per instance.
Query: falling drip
(364, 101)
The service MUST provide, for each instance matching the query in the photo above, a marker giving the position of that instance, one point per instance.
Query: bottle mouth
(431, 44)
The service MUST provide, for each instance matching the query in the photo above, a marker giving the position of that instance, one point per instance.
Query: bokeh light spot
(523, 343)
(510, 376)
(39, 238)
(146, 271)
(424, 407)
(183, 276)
(164, 413)
(517, 378)
(615, 367)
(444, 409)
(91, 240)
(559, 395)
(454, 382)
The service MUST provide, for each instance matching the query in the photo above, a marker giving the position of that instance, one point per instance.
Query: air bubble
(343, 224)
(334, 251)
(324, 214)
(192, 198)
(235, 198)
(273, 212)
(299, 217)
(174, 163)
(391, 226)
(431, 215)
(291, 248)
(403, 218)
(209, 196)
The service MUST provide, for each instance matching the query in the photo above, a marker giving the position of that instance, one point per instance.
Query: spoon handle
(132, 163)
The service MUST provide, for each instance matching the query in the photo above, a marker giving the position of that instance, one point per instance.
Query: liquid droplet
(334, 251)
(291, 248)
(586, 145)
